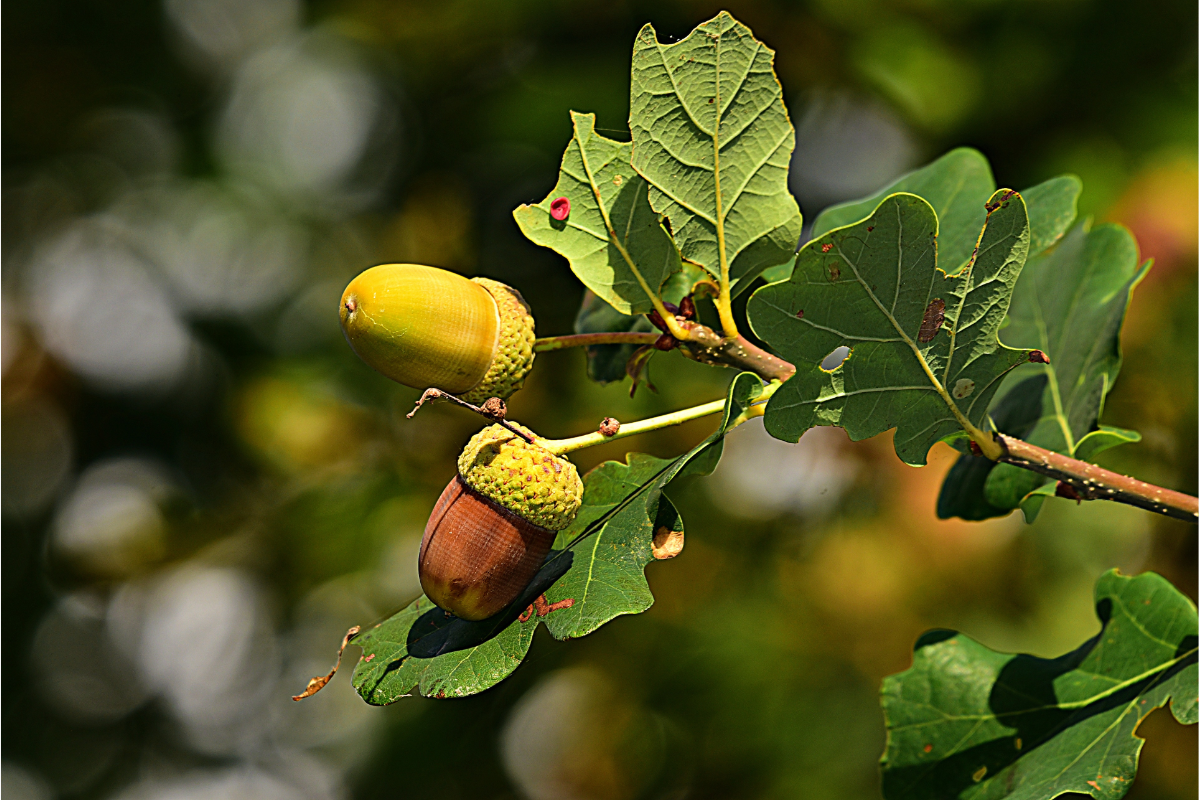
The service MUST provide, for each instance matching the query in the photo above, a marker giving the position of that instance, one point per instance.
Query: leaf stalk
(1089, 481)
(562, 446)
(549, 343)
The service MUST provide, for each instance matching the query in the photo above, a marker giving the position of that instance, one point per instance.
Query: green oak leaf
(968, 722)
(712, 137)
(1052, 207)
(958, 185)
(1071, 304)
(616, 245)
(923, 344)
(388, 670)
(596, 576)
(607, 579)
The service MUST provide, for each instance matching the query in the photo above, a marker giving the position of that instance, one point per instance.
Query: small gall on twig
(494, 407)
(318, 683)
(687, 308)
(1038, 357)
(609, 427)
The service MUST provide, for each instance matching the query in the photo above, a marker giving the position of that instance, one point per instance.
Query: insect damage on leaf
(931, 323)
(667, 543)
(927, 357)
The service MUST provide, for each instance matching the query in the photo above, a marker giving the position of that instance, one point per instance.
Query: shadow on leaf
(437, 632)
(1022, 698)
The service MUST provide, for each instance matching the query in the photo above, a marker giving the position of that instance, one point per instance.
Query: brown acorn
(494, 523)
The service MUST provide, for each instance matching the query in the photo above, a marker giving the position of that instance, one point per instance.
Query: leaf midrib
(1067, 706)
(591, 180)
(937, 386)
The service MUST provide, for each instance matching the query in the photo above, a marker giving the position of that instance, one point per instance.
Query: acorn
(493, 526)
(430, 328)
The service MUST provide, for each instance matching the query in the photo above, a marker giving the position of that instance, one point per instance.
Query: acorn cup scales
(494, 523)
(428, 327)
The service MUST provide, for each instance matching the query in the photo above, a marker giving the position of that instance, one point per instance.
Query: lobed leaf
(596, 575)
(958, 185)
(923, 344)
(1071, 304)
(711, 136)
(616, 245)
(968, 722)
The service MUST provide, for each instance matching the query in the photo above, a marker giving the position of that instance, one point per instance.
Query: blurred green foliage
(203, 488)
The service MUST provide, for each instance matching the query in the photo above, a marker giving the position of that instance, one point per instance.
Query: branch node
(493, 409)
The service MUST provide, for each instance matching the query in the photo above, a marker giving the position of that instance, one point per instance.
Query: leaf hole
(836, 358)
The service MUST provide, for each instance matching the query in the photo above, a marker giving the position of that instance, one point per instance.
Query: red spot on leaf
(928, 748)
(560, 208)
(368, 658)
(870, 228)
(825, 248)
(1038, 357)
(800, 314)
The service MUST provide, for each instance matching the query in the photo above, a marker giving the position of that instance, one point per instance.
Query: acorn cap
(514, 350)
(524, 478)
(428, 327)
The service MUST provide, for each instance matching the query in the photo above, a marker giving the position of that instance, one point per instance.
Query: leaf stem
(561, 446)
(724, 304)
(590, 339)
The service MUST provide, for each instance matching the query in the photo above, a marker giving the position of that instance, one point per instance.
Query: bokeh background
(203, 488)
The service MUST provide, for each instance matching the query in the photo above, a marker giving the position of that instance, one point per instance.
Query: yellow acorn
(430, 328)
(493, 526)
